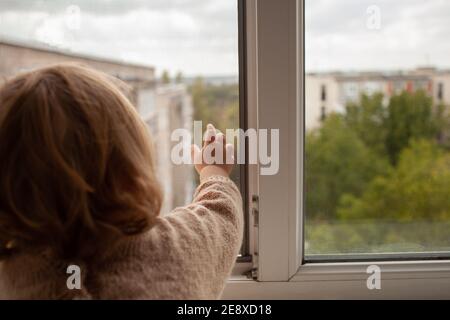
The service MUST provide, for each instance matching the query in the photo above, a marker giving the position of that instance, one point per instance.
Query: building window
(369, 192)
(440, 93)
(323, 93)
(152, 43)
(287, 260)
(323, 114)
(409, 86)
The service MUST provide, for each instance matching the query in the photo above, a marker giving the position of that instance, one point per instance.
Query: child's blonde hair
(76, 163)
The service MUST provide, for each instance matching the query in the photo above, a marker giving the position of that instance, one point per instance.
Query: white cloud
(413, 33)
(200, 36)
(193, 36)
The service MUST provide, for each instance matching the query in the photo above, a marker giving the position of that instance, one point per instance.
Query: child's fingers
(220, 138)
(196, 154)
(220, 147)
(210, 135)
(229, 152)
(224, 139)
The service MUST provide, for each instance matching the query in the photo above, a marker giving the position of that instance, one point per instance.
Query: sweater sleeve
(210, 232)
(188, 254)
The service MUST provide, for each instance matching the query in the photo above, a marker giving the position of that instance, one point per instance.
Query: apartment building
(169, 107)
(331, 92)
(163, 108)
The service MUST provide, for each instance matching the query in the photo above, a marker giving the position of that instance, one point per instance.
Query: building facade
(163, 108)
(330, 92)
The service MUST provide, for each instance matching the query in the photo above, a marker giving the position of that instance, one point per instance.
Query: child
(78, 187)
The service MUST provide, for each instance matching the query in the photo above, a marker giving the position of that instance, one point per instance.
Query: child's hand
(216, 157)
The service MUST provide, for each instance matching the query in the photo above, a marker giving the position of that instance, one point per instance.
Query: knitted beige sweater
(188, 254)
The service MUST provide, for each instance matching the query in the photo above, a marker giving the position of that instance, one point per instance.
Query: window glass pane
(377, 98)
(180, 58)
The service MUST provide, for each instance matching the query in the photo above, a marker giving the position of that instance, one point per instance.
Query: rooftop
(418, 73)
(40, 46)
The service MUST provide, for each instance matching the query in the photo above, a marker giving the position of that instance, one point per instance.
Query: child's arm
(189, 253)
(210, 228)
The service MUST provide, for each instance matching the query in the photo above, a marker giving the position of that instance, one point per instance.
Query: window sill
(399, 280)
(390, 270)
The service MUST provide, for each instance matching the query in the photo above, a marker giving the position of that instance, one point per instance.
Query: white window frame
(275, 88)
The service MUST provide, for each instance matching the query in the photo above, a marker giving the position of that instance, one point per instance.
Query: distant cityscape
(331, 92)
(214, 80)
(164, 107)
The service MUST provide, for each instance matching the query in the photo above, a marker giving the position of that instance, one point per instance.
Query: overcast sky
(412, 33)
(193, 36)
(200, 36)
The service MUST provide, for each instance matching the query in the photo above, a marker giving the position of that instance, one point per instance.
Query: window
(376, 173)
(279, 46)
(323, 114)
(440, 95)
(323, 93)
(350, 90)
(307, 238)
(180, 58)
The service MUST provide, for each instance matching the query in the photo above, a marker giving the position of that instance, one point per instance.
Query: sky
(196, 37)
(200, 37)
(341, 34)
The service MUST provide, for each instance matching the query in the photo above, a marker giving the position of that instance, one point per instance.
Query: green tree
(410, 116)
(179, 77)
(367, 119)
(337, 163)
(388, 129)
(202, 107)
(218, 104)
(417, 189)
(165, 77)
(400, 207)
